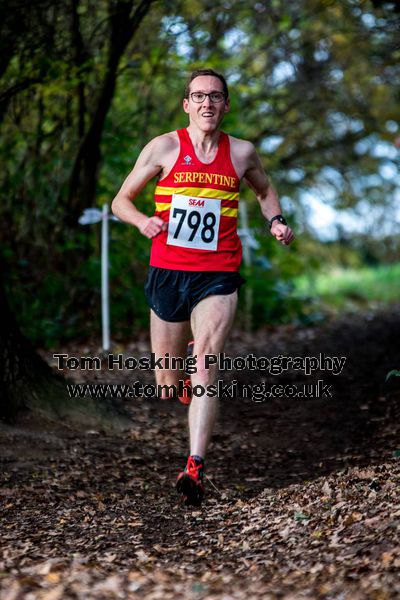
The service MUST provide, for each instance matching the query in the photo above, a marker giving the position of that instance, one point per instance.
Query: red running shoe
(186, 397)
(189, 483)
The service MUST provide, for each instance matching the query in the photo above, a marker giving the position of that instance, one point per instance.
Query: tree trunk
(82, 184)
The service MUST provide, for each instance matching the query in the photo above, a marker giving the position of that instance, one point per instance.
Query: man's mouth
(207, 114)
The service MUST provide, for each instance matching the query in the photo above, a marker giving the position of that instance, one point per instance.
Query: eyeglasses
(215, 97)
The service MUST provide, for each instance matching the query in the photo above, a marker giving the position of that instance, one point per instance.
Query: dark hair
(211, 72)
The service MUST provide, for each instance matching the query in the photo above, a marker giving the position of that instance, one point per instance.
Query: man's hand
(152, 226)
(282, 233)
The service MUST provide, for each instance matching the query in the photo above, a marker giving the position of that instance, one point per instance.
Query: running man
(193, 279)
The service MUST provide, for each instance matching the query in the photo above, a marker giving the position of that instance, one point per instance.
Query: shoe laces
(193, 469)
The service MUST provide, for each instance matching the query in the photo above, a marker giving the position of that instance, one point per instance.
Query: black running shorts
(174, 294)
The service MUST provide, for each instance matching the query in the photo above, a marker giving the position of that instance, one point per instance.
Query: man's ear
(185, 105)
(227, 105)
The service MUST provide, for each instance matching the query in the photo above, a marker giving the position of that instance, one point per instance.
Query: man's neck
(204, 141)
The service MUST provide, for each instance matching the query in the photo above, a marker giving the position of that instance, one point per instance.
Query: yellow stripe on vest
(229, 212)
(162, 206)
(225, 211)
(196, 192)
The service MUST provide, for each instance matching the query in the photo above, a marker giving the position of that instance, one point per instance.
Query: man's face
(206, 115)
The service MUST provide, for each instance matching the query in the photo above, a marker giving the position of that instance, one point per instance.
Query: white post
(105, 308)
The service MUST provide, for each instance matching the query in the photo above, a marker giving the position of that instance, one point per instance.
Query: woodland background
(84, 85)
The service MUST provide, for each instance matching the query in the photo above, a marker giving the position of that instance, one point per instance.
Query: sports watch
(279, 218)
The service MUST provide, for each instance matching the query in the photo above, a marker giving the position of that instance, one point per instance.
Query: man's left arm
(267, 197)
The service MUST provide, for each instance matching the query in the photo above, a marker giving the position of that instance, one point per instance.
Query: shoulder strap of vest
(183, 136)
(223, 144)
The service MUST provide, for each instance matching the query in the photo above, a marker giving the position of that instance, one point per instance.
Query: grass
(351, 288)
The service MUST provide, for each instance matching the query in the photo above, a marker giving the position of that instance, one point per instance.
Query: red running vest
(200, 204)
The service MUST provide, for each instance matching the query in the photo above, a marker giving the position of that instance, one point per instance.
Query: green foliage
(339, 289)
(272, 300)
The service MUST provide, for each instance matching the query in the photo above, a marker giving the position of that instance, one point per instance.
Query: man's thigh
(211, 321)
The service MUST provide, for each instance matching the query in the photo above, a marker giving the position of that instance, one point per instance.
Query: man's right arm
(149, 164)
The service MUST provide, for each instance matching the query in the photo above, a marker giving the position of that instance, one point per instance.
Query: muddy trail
(302, 493)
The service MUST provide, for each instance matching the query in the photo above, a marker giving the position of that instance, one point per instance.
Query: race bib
(194, 222)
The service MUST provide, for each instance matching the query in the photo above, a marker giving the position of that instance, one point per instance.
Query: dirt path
(302, 494)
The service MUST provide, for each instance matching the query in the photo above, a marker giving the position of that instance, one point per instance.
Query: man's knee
(205, 374)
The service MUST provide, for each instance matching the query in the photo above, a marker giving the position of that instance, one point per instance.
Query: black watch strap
(279, 218)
